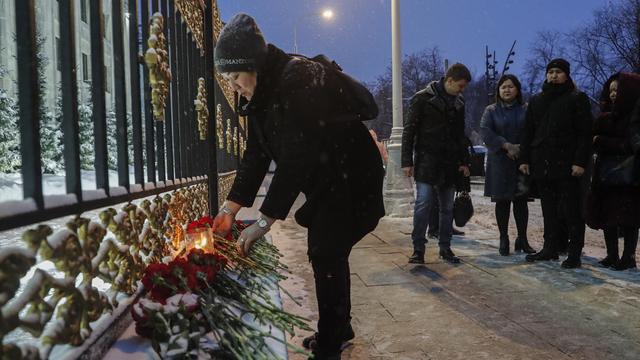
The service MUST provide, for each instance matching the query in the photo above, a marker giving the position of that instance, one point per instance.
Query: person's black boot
(311, 342)
(448, 256)
(542, 255)
(628, 259)
(504, 246)
(626, 262)
(457, 232)
(522, 244)
(572, 262)
(432, 235)
(417, 257)
(609, 261)
(611, 242)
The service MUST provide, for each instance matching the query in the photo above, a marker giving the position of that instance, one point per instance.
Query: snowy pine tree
(87, 149)
(112, 146)
(50, 124)
(9, 136)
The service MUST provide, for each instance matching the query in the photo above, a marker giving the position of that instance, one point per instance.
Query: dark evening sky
(359, 35)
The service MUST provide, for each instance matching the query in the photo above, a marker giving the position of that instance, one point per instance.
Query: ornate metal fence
(183, 165)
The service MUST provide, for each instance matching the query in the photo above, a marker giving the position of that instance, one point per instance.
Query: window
(85, 67)
(83, 10)
(58, 55)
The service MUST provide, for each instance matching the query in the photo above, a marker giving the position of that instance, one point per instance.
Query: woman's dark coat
(433, 138)
(501, 123)
(557, 132)
(335, 164)
(614, 205)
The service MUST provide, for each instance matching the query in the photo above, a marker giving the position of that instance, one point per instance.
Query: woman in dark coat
(612, 206)
(293, 105)
(501, 128)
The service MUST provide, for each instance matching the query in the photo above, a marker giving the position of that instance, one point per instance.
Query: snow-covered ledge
(93, 267)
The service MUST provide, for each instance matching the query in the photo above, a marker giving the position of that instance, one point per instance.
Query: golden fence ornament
(219, 127)
(202, 109)
(229, 137)
(243, 146)
(157, 60)
(193, 15)
(235, 141)
(116, 249)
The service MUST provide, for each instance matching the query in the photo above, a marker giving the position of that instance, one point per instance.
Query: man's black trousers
(561, 200)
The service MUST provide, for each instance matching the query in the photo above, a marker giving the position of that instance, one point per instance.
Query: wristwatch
(226, 210)
(262, 223)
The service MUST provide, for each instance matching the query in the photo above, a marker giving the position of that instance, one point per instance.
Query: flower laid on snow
(198, 299)
(182, 274)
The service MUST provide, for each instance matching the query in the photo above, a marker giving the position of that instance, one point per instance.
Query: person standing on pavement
(293, 107)
(555, 150)
(614, 201)
(501, 128)
(434, 152)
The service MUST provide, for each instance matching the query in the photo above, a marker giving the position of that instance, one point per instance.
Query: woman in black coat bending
(297, 118)
(614, 198)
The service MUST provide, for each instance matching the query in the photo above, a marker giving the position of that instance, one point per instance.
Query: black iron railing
(170, 153)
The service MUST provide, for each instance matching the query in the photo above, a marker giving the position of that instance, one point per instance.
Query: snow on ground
(485, 217)
(52, 184)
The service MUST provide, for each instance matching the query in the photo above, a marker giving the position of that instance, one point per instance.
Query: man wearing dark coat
(434, 152)
(290, 103)
(555, 150)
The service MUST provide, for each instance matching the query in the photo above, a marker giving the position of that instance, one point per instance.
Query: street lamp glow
(327, 14)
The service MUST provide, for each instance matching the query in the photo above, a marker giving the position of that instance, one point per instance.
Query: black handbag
(524, 186)
(462, 208)
(616, 170)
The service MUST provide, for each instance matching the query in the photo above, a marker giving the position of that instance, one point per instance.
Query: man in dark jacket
(555, 150)
(292, 105)
(434, 135)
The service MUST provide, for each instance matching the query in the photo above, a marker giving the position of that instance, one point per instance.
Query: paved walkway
(487, 307)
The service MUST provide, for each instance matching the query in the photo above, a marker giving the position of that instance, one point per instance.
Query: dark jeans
(425, 200)
(434, 219)
(333, 292)
(561, 202)
(630, 241)
(520, 213)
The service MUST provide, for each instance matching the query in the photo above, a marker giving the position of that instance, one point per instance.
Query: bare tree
(609, 43)
(418, 70)
(606, 45)
(547, 45)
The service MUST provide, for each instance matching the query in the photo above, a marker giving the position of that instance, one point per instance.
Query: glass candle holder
(201, 238)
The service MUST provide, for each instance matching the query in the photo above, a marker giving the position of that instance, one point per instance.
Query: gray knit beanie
(240, 46)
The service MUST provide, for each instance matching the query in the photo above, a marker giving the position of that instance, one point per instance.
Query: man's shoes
(417, 258)
(311, 342)
(457, 232)
(609, 261)
(626, 262)
(571, 263)
(541, 255)
(522, 244)
(432, 235)
(448, 256)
